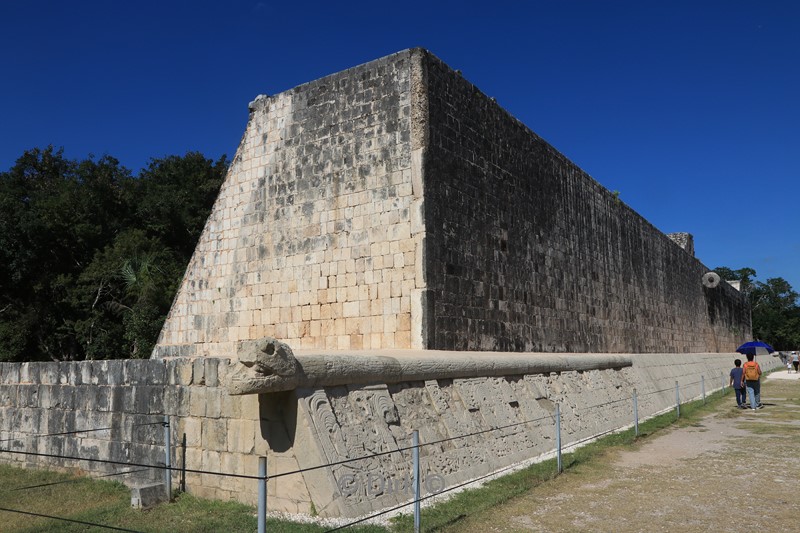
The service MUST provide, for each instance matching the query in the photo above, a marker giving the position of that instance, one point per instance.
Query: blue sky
(690, 109)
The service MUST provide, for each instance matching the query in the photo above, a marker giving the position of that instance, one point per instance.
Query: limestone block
(198, 374)
(210, 371)
(214, 434)
(29, 373)
(241, 436)
(176, 400)
(28, 395)
(8, 395)
(211, 463)
(9, 373)
(214, 401)
(49, 373)
(197, 400)
(86, 372)
(147, 495)
(192, 427)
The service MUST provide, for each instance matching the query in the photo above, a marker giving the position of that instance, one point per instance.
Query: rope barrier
(76, 479)
(144, 467)
(496, 473)
(398, 450)
(106, 461)
(78, 431)
(39, 515)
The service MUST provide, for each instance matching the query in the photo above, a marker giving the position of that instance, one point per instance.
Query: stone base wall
(306, 428)
(223, 433)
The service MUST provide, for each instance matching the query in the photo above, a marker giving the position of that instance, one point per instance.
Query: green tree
(174, 196)
(54, 214)
(133, 281)
(774, 305)
(776, 315)
(745, 275)
(91, 256)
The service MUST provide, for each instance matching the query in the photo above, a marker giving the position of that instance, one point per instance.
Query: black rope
(159, 467)
(606, 403)
(398, 450)
(486, 431)
(67, 520)
(590, 438)
(63, 433)
(36, 436)
(658, 391)
(422, 498)
(76, 479)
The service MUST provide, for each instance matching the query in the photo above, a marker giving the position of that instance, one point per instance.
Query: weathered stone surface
(145, 496)
(269, 365)
(393, 205)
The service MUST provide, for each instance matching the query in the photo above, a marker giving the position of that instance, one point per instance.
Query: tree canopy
(774, 304)
(91, 256)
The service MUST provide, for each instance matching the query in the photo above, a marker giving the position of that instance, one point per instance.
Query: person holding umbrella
(751, 374)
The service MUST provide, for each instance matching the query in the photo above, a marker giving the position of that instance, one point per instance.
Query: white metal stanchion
(262, 495)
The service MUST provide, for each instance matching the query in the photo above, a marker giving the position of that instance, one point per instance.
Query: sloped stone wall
(394, 205)
(310, 239)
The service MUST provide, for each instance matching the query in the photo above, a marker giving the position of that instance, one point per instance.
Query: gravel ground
(736, 470)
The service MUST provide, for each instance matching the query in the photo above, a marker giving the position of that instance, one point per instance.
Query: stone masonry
(309, 427)
(418, 249)
(394, 205)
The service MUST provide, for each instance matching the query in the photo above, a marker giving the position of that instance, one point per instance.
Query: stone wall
(223, 433)
(310, 238)
(393, 205)
(59, 398)
(526, 252)
(307, 428)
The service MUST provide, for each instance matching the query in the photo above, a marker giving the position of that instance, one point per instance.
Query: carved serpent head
(268, 357)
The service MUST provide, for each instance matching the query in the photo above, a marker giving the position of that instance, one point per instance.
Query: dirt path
(737, 470)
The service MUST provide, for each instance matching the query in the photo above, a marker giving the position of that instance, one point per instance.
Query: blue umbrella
(755, 348)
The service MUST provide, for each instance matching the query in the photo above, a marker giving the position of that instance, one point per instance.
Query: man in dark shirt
(736, 383)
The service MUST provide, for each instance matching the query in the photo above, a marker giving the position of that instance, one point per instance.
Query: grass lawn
(107, 503)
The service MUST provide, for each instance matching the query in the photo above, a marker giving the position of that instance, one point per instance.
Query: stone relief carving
(454, 415)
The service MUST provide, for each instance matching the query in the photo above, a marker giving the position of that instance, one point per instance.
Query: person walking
(795, 361)
(751, 375)
(736, 383)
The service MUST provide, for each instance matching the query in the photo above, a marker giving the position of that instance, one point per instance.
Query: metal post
(417, 485)
(723, 383)
(635, 413)
(703, 387)
(183, 463)
(677, 400)
(262, 495)
(167, 458)
(558, 439)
